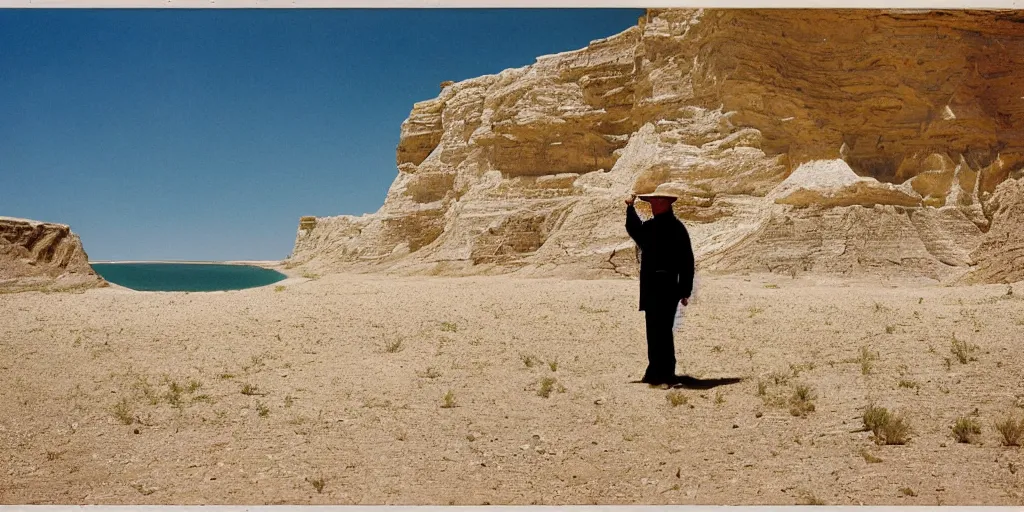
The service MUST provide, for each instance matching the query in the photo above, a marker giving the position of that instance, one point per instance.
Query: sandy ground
(120, 397)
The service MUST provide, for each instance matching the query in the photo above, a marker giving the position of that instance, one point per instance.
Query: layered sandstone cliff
(42, 256)
(844, 141)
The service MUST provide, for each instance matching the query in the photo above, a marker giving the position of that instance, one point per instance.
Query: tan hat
(665, 190)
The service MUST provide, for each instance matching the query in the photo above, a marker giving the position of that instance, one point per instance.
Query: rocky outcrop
(1000, 255)
(42, 256)
(830, 140)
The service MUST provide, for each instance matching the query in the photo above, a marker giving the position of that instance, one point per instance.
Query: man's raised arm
(633, 221)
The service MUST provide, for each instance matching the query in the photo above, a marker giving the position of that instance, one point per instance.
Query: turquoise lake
(186, 277)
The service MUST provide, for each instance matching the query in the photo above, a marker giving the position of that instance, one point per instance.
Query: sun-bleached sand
(262, 395)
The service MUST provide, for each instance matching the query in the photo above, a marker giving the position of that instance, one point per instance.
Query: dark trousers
(661, 350)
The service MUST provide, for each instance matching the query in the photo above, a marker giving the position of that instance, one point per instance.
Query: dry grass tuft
(318, 483)
(677, 398)
(547, 385)
(802, 401)
(448, 401)
(866, 359)
(963, 351)
(123, 412)
(394, 346)
(966, 430)
(888, 428)
(529, 360)
(1011, 430)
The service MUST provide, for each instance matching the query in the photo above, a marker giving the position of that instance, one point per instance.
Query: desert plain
(370, 389)
(853, 185)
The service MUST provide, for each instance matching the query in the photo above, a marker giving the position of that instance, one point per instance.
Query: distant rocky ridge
(841, 141)
(43, 256)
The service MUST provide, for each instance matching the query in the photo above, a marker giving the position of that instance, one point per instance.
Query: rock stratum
(43, 256)
(835, 141)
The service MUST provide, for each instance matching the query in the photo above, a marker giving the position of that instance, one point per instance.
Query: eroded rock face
(833, 140)
(42, 256)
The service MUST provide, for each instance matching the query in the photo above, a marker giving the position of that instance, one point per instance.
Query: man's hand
(685, 301)
(631, 200)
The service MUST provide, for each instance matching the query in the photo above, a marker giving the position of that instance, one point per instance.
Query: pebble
(599, 401)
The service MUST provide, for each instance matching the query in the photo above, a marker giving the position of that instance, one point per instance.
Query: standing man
(666, 278)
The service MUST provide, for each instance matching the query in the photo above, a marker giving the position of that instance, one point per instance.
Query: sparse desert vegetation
(548, 385)
(302, 385)
(677, 397)
(393, 345)
(318, 483)
(123, 412)
(963, 351)
(448, 400)
(802, 401)
(886, 427)
(866, 360)
(966, 430)
(529, 360)
(1011, 430)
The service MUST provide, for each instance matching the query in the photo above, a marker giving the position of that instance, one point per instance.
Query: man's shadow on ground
(687, 382)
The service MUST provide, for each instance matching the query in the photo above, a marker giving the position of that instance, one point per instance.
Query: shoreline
(260, 263)
(277, 266)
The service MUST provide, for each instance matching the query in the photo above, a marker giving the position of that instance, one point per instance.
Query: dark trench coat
(666, 259)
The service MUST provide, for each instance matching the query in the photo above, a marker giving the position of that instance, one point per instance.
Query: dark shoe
(659, 380)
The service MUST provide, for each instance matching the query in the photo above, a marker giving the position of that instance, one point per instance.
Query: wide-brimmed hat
(664, 191)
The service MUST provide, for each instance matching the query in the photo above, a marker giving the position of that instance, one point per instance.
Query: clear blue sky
(205, 135)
